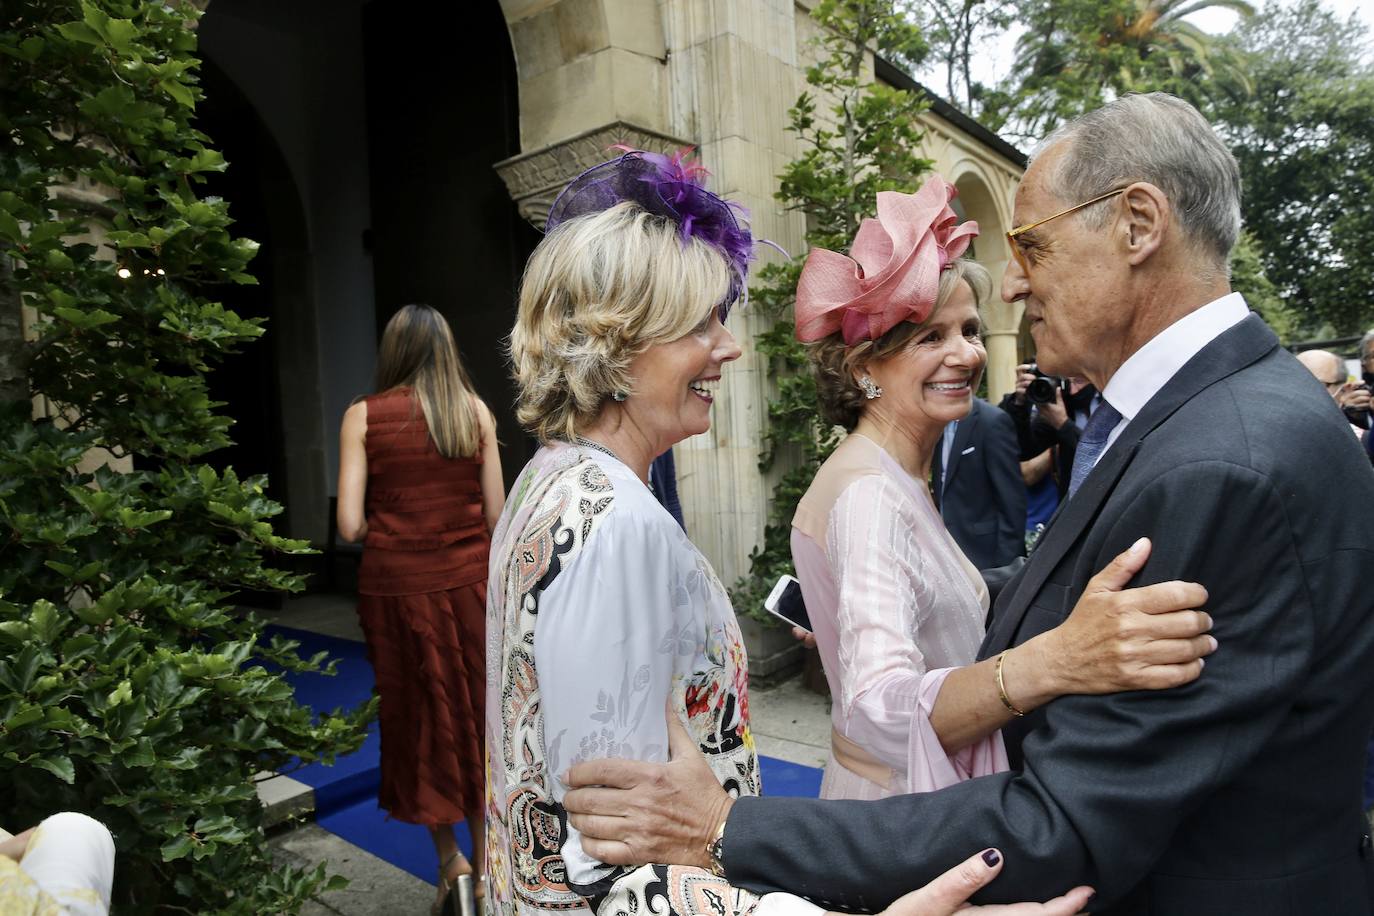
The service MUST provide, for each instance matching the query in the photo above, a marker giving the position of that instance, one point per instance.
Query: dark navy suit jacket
(981, 496)
(1236, 794)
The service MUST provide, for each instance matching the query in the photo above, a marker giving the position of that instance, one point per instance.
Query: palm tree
(1077, 54)
(1158, 29)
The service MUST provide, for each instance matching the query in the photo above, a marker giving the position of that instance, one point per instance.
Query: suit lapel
(1068, 523)
(1235, 349)
(962, 434)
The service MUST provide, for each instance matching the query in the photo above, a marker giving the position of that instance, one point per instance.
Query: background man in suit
(978, 486)
(1236, 793)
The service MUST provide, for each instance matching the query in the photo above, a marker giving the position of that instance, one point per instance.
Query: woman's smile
(705, 388)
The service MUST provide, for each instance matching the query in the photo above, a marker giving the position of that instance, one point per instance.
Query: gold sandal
(446, 903)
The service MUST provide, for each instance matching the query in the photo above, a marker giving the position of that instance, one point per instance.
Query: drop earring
(870, 387)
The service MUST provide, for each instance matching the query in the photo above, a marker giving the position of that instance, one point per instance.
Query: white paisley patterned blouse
(600, 613)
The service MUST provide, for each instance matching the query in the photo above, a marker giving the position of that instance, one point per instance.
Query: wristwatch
(715, 851)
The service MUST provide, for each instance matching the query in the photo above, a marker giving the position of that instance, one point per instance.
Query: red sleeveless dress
(422, 595)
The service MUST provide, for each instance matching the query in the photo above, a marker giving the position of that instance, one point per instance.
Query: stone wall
(718, 75)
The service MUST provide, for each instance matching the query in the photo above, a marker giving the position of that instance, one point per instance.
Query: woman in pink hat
(898, 611)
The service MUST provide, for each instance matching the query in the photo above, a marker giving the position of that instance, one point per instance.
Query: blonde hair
(418, 350)
(833, 362)
(598, 291)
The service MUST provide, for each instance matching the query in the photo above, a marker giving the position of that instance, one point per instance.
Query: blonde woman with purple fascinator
(898, 612)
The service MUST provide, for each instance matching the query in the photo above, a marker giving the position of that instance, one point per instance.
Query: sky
(994, 59)
(1222, 20)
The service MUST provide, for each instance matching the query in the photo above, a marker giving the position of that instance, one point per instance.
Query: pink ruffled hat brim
(892, 273)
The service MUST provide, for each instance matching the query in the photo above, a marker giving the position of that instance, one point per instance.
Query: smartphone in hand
(785, 601)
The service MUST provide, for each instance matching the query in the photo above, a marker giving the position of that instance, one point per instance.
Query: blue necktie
(1092, 443)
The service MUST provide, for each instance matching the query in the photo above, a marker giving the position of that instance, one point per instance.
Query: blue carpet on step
(346, 793)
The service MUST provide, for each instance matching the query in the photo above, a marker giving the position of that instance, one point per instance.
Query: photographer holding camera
(1352, 397)
(1049, 413)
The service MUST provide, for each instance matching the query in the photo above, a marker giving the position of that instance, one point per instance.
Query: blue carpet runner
(346, 793)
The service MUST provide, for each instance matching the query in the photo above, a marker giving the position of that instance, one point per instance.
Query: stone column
(583, 64)
(733, 72)
(1002, 322)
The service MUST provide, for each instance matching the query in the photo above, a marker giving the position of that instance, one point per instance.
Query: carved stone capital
(535, 178)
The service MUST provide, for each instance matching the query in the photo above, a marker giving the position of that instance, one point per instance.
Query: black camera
(1042, 388)
(1359, 416)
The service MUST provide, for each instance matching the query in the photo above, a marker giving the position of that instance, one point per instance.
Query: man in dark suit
(979, 492)
(1238, 793)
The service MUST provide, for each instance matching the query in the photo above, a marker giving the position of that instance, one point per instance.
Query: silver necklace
(588, 443)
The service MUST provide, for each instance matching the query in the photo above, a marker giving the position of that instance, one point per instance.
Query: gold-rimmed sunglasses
(1016, 251)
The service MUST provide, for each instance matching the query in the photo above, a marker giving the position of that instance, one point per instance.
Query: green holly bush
(131, 687)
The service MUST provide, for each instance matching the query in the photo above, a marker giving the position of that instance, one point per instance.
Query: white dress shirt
(1149, 369)
(946, 449)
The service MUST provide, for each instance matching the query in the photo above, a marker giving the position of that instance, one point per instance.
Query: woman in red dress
(420, 484)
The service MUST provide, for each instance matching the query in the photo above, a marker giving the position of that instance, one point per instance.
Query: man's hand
(949, 893)
(1024, 376)
(1055, 413)
(1117, 638)
(804, 636)
(630, 812)
(1354, 396)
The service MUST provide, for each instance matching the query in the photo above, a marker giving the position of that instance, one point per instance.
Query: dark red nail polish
(991, 857)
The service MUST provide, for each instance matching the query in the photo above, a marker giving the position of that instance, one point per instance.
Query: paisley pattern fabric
(601, 614)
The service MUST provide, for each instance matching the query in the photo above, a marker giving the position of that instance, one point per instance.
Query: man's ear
(1147, 219)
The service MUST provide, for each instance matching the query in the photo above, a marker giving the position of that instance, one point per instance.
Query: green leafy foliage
(130, 687)
(858, 137)
(1305, 143)
(1078, 54)
(956, 28)
(1248, 278)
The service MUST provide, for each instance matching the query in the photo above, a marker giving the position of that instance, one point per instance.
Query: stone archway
(271, 387)
(586, 62)
(591, 73)
(1001, 319)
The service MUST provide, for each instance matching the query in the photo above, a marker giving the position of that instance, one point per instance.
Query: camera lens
(1041, 390)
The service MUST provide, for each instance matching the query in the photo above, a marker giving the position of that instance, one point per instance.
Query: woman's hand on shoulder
(1117, 638)
(949, 894)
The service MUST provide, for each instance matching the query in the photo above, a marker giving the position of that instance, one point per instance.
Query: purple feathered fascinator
(670, 186)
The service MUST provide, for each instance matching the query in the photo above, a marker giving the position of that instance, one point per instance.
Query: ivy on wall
(857, 137)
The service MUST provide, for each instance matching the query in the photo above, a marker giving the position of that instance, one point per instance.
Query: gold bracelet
(1002, 688)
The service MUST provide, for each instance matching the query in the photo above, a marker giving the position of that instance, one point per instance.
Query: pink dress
(895, 606)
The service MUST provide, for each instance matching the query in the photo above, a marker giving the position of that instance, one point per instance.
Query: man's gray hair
(1159, 138)
(1365, 341)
